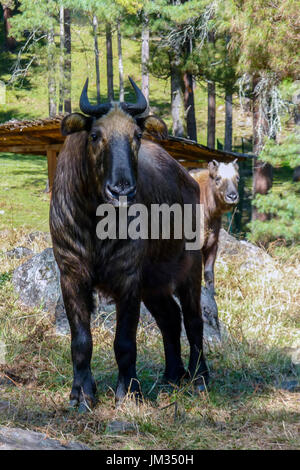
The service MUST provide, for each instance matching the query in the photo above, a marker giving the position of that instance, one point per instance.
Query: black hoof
(175, 379)
(132, 392)
(73, 404)
(200, 385)
(84, 408)
(82, 404)
(198, 389)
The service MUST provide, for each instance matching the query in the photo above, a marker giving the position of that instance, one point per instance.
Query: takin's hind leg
(167, 314)
(78, 300)
(128, 312)
(189, 296)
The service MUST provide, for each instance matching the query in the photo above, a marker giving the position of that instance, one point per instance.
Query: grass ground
(245, 407)
(23, 202)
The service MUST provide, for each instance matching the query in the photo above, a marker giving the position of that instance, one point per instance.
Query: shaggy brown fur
(216, 183)
(108, 153)
(154, 127)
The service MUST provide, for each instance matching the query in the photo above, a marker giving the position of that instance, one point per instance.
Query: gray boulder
(38, 235)
(19, 252)
(212, 327)
(249, 256)
(121, 427)
(22, 439)
(37, 283)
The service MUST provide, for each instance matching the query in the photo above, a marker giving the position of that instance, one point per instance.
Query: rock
(210, 314)
(6, 407)
(296, 359)
(38, 284)
(103, 314)
(19, 252)
(213, 329)
(294, 354)
(37, 281)
(61, 320)
(250, 256)
(21, 439)
(33, 236)
(2, 352)
(7, 411)
(117, 427)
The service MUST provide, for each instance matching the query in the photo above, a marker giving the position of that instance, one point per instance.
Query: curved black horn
(141, 104)
(89, 109)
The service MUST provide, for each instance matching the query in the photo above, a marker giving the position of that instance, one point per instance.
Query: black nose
(232, 196)
(120, 189)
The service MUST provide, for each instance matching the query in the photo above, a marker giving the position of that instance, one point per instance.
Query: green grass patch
(23, 202)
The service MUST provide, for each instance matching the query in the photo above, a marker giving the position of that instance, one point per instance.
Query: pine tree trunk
(228, 122)
(120, 61)
(211, 114)
(177, 105)
(296, 101)
(61, 59)
(109, 63)
(211, 105)
(189, 106)
(262, 172)
(51, 74)
(188, 98)
(145, 57)
(96, 51)
(9, 42)
(68, 62)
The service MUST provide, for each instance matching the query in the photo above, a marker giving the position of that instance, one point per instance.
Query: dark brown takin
(103, 160)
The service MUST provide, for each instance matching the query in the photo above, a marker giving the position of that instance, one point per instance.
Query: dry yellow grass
(244, 408)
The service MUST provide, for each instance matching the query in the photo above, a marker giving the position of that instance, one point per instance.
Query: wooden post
(51, 157)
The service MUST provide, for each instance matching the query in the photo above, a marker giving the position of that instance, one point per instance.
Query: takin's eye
(138, 135)
(218, 179)
(94, 136)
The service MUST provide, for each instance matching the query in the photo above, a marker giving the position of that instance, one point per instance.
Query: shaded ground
(253, 399)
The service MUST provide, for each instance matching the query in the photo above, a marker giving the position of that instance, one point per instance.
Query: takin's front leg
(128, 312)
(78, 300)
(209, 258)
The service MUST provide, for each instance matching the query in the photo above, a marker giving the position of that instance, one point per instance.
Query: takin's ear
(75, 122)
(235, 164)
(153, 126)
(213, 167)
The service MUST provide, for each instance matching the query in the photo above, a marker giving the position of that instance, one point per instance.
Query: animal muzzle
(232, 197)
(120, 189)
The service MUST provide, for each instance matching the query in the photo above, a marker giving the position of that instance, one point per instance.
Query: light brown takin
(218, 194)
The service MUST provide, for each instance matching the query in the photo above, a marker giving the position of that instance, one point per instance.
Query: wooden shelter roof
(39, 135)
(31, 137)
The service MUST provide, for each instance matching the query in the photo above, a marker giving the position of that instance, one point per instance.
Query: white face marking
(226, 170)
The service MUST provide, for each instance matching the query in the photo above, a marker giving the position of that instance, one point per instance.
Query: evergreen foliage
(253, 52)
(282, 202)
